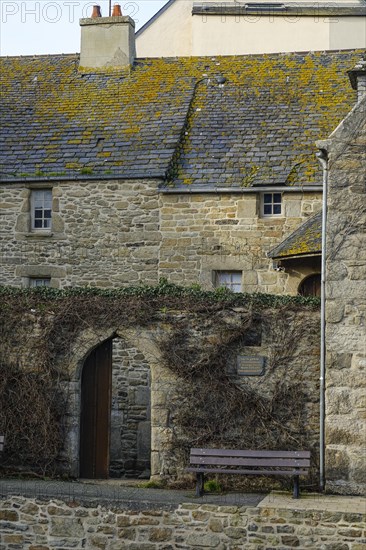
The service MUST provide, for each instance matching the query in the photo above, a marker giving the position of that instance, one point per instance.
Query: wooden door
(96, 412)
(311, 286)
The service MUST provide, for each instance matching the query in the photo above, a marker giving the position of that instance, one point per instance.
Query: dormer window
(41, 205)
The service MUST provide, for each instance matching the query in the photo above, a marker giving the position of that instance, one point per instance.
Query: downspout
(323, 159)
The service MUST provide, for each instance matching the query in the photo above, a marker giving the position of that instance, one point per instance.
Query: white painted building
(189, 28)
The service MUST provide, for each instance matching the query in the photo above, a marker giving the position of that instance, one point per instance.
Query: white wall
(347, 32)
(176, 32)
(170, 35)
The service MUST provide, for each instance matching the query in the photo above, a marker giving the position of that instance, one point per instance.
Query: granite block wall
(204, 233)
(30, 524)
(130, 413)
(119, 233)
(346, 305)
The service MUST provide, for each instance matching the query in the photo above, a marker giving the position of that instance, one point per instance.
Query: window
(271, 204)
(39, 281)
(41, 204)
(229, 279)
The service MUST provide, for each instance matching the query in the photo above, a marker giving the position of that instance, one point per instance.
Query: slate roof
(165, 120)
(304, 241)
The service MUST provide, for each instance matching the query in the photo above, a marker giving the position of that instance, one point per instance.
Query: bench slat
(248, 462)
(226, 461)
(249, 453)
(252, 472)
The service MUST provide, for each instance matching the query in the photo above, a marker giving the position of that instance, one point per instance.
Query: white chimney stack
(107, 42)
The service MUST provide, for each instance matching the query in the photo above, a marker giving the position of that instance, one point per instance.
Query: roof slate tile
(166, 120)
(305, 240)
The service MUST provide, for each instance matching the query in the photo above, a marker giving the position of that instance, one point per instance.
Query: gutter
(255, 189)
(323, 159)
(282, 10)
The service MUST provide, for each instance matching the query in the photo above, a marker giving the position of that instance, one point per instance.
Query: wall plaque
(250, 365)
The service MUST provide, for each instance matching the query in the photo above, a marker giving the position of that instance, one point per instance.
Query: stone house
(117, 170)
(191, 169)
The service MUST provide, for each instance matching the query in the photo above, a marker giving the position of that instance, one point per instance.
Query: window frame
(33, 282)
(272, 204)
(232, 283)
(42, 208)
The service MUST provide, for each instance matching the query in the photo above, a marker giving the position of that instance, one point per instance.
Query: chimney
(357, 77)
(107, 42)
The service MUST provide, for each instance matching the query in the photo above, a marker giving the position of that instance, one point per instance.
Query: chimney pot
(96, 12)
(117, 12)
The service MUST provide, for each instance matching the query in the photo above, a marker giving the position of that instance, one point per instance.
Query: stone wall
(103, 234)
(147, 396)
(203, 233)
(30, 524)
(346, 305)
(147, 388)
(130, 414)
(118, 233)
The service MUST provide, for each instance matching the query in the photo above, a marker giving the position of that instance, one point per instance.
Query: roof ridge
(39, 55)
(198, 57)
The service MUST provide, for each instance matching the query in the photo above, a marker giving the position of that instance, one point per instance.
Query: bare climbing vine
(39, 326)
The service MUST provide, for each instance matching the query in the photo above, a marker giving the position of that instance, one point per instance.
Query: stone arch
(162, 384)
(310, 285)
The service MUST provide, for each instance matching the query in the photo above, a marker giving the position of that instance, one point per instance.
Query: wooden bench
(232, 461)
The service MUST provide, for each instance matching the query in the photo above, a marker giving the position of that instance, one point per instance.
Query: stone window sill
(278, 217)
(35, 234)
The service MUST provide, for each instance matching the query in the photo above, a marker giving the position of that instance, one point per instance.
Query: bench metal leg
(296, 487)
(200, 484)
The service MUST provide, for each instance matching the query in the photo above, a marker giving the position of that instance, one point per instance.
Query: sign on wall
(250, 365)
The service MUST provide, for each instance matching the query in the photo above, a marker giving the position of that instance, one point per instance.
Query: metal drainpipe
(323, 159)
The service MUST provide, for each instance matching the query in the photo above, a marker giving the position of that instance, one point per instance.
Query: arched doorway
(310, 286)
(147, 415)
(95, 412)
(115, 421)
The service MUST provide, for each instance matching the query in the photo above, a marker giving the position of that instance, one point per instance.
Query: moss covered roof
(305, 240)
(165, 119)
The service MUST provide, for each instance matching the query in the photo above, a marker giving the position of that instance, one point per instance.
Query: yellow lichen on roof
(306, 239)
(145, 112)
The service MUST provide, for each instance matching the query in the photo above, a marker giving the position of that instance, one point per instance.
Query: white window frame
(41, 204)
(273, 204)
(233, 279)
(35, 282)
